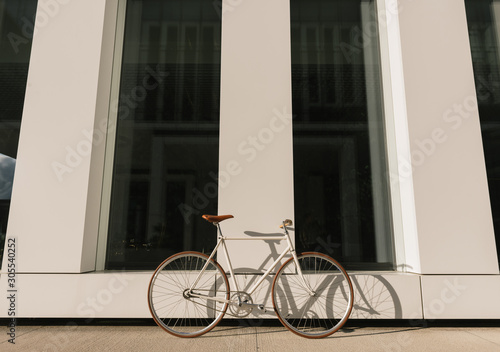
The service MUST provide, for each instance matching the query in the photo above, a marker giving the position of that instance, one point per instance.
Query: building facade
(371, 123)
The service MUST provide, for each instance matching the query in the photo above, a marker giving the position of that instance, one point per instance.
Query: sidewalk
(241, 338)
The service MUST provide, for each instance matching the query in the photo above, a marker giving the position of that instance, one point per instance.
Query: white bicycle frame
(221, 239)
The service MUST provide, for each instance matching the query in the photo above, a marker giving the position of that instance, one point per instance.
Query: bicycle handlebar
(286, 222)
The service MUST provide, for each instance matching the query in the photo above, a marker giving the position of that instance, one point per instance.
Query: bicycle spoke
(322, 313)
(171, 302)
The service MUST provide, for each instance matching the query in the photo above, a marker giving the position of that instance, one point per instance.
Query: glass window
(341, 188)
(166, 153)
(16, 34)
(483, 18)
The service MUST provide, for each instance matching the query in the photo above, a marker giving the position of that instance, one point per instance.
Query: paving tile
(244, 337)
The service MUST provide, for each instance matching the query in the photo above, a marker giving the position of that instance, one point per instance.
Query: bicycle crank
(242, 305)
(258, 306)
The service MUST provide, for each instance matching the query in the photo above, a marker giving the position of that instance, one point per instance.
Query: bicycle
(189, 292)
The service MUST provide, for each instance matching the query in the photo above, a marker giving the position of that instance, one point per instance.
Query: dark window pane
(339, 153)
(16, 33)
(166, 156)
(484, 29)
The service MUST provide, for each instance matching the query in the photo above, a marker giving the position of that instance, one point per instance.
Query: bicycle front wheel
(316, 303)
(179, 310)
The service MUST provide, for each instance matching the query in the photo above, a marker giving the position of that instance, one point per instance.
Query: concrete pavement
(242, 336)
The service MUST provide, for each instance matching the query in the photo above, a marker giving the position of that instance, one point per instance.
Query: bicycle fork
(296, 260)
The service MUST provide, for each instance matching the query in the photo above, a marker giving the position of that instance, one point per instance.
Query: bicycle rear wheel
(324, 310)
(174, 308)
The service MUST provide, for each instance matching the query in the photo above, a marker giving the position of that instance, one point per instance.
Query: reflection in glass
(341, 192)
(166, 156)
(483, 19)
(7, 167)
(16, 33)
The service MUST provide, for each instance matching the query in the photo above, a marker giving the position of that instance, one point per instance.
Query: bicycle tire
(170, 304)
(323, 313)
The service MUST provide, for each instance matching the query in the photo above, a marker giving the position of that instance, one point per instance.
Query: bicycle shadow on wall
(374, 296)
(374, 299)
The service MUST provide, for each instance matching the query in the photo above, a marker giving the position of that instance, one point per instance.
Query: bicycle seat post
(219, 231)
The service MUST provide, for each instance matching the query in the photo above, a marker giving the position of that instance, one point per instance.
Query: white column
(397, 139)
(453, 213)
(256, 164)
(57, 186)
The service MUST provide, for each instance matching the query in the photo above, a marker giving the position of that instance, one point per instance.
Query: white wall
(461, 296)
(454, 222)
(255, 123)
(446, 230)
(57, 186)
(115, 294)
